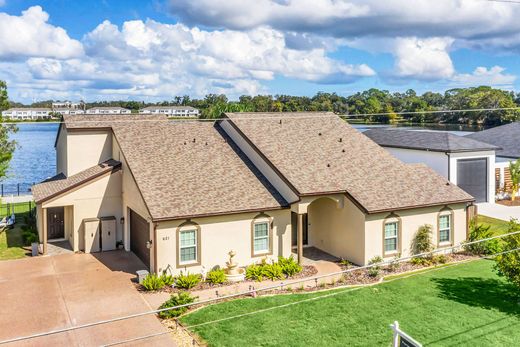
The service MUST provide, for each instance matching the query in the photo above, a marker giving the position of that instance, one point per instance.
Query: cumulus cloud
(31, 35)
(493, 76)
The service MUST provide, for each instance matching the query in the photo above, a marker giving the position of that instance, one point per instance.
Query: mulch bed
(509, 202)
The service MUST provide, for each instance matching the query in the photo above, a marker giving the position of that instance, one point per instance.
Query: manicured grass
(498, 226)
(460, 305)
(19, 208)
(11, 243)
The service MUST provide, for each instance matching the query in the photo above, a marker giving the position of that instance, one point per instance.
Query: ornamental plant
(176, 299)
(514, 171)
(216, 276)
(508, 264)
(152, 282)
(187, 281)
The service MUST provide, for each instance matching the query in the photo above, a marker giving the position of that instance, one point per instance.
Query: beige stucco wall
(411, 220)
(219, 235)
(98, 198)
(337, 228)
(86, 149)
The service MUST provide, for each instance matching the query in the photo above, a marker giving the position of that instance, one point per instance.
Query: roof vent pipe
(280, 121)
(319, 134)
(340, 139)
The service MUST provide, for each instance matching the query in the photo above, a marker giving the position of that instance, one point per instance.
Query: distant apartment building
(171, 111)
(108, 110)
(27, 113)
(68, 111)
(62, 105)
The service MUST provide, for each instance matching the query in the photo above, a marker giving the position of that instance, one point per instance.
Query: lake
(35, 159)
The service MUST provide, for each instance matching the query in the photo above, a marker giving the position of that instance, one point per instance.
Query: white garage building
(468, 163)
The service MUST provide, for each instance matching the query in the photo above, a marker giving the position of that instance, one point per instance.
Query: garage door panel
(472, 177)
(139, 236)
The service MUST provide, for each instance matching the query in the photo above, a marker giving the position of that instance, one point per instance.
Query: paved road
(46, 293)
(499, 211)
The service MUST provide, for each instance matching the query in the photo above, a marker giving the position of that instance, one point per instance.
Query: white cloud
(31, 35)
(493, 76)
(426, 59)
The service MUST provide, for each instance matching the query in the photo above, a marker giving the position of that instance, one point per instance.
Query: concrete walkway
(499, 211)
(323, 266)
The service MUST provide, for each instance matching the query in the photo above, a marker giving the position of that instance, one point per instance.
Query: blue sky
(153, 50)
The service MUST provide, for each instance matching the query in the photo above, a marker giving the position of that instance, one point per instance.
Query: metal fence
(16, 189)
(18, 208)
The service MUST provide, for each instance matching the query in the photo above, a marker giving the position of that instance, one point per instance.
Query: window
(444, 228)
(261, 238)
(391, 232)
(188, 246)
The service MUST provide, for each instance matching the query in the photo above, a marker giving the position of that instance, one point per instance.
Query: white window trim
(396, 237)
(182, 247)
(445, 242)
(266, 251)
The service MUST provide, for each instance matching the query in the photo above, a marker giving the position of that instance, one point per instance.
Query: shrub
(216, 276)
(422, 242)
(421, 261)
(508, 264)
(273, 271)
(479, 232)
(187, 281)
(152, 282)
(168, 280)
(176, 299)
(394, 265)
(345, 263)
(374, 270)
(289, 266)
(255, 272)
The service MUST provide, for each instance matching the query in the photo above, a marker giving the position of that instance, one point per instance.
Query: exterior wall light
(149, 244)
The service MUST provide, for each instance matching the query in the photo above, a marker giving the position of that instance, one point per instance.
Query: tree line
(373, 105)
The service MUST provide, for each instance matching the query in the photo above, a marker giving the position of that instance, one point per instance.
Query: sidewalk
(323, 267)
(499, 211)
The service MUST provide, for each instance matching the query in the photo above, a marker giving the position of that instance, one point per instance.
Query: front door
(55, 223)
(294, 225)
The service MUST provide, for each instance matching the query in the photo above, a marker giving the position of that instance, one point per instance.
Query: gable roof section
(505, 136)
(190, 169)
(320, 153)
(435, 141)
(60, 184)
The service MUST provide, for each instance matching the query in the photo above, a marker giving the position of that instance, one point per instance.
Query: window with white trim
(188, 246)
(391, 235)
(261, 238)
(444, 228)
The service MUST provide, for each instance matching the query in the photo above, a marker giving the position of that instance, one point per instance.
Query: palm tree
(514, 170)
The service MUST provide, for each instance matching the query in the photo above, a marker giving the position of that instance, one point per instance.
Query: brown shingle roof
(192, 169)
(86, 121)
(59, 184)
(320, 153)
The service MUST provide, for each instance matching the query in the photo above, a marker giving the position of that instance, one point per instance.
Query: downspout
(449, 165)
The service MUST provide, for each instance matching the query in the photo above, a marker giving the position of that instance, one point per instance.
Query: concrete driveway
(499, 211)
(46, 293)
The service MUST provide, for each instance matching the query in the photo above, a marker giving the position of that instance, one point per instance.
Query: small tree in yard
(7, 146)
(514, 170)
(508, 264)
(422, 242)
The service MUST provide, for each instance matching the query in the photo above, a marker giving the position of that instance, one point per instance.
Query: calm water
(35, 159)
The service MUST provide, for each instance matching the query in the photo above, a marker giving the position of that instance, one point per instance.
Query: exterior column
(300, 238)
(44, 219)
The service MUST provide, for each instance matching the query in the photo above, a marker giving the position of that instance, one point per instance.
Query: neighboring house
(68, 111)
(27, 113)
(108, 110)
(181, 195)
(465, 162)
(171, 111)
(507, 137)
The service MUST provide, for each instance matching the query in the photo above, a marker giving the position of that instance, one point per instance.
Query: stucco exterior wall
(337, 228)
(219, 235)
(438, 161)
(61, 151)
(99, 198)
(411, 220)
(86, 149)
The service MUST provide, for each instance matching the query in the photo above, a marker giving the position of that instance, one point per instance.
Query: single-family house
(171, 111)
(181, 195)
(465, 162)
(108, 110)
(507, 137)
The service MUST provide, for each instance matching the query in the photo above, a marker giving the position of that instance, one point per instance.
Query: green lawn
(461, 305)
(11, 244)
(498, 226)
